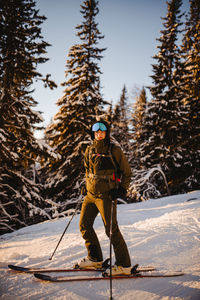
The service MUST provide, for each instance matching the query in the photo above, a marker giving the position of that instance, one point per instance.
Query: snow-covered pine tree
(21, 50)
(190, 81)
(137, 123)
(81, 102)
(164, 121)
(120, 123)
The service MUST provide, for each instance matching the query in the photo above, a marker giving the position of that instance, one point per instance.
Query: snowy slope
(163, 232)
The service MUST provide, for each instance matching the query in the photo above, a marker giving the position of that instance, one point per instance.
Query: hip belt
(96, 176)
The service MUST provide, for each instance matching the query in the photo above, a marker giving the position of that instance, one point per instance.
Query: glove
(120, 192)
(83, 190)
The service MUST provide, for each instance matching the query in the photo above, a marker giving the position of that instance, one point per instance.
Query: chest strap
(101, 154)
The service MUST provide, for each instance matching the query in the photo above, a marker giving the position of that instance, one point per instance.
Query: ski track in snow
(163, 232)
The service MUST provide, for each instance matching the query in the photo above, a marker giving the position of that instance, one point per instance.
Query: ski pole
(66, 228)
(111, 224)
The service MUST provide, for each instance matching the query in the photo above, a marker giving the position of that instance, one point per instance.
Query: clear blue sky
(130, 28)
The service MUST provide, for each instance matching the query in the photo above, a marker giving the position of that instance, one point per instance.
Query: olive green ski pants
(90, 208)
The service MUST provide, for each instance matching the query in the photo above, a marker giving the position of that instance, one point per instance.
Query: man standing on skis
(108, 176)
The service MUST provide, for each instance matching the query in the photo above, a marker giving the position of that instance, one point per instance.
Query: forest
(41, 179)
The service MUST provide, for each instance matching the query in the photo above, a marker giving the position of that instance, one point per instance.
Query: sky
(130, 29)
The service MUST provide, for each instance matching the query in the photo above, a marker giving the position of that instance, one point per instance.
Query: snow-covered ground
(163, 232)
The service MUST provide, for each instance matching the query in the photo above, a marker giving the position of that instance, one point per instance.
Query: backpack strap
(111, 156)
(115, 177)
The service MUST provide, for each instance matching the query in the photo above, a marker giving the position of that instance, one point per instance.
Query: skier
(105, 166)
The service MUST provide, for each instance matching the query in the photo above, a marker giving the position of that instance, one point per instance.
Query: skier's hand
(120, 192)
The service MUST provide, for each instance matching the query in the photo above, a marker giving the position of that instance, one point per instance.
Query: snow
(163, 232)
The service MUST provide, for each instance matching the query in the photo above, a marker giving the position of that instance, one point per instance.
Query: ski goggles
(99, 126)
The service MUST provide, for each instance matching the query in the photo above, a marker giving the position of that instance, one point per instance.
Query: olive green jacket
(100, 168)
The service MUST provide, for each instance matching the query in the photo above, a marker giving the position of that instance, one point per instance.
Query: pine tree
(190, 81)
(21, 50)
(69, 134)
(120, 128)
(165, 118)
(137, 122)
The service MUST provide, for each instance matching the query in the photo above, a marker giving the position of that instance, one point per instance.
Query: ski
(48, 270)
(22, 269)
(44, 277)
